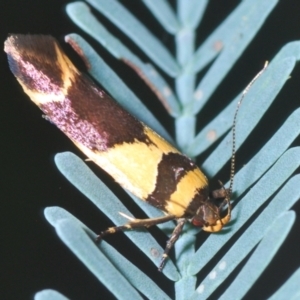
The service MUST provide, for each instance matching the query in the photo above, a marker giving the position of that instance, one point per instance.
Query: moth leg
(227, 217)
(226, 194)
(170, 243)
(134, 224)
(222, 192)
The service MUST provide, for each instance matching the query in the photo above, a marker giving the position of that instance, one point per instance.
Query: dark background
(32, 257)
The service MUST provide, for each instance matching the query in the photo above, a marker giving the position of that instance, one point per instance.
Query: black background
(32, 257)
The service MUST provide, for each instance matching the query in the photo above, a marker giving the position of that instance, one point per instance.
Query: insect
(133, 154)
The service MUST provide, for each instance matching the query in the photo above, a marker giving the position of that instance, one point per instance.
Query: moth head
(209, 218)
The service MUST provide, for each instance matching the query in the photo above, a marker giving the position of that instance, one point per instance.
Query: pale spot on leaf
(200, 289)
(198, 95)
(212, 275)
(211, 135)
(222, 265)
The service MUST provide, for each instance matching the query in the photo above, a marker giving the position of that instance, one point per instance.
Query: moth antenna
(232, 167)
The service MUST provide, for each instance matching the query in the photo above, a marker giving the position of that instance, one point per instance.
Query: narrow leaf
(260, 193)
(233, 36)
(134, 275)
(256, 103)
(138, 33)
(49, 295)
(82, 16)
(190, 12)
(290, 289)
(261, 257)
(95, 190)
(252, 235)
(87, 251)
(163, 12)
(223, 122)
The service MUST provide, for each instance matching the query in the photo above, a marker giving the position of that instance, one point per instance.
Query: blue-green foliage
(268, 172)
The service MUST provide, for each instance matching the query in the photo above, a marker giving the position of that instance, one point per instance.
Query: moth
(135, 156)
